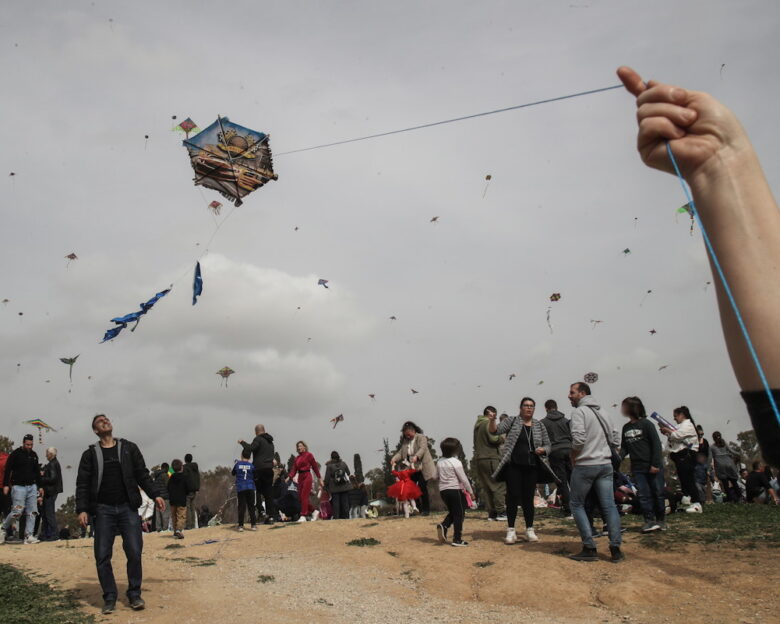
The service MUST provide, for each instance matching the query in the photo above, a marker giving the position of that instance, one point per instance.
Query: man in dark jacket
(51, 480)
(107, 487)
(559, 430)
(192, 474)
(22, 480)
(262, 449)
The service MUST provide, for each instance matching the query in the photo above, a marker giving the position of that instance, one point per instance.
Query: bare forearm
(742, 219)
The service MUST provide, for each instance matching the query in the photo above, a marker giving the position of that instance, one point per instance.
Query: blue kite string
(726, 287)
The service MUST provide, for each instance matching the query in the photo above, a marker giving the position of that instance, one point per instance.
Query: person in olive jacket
(338, 486)
(107, 488)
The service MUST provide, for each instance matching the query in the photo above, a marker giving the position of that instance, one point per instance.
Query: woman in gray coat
(521, 465)
(338, 486)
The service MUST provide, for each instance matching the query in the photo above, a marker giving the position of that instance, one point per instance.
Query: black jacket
(262, 448)
(160, 478)
(51, 481)
(178, 488)
(134, 474)
(22, 468)
(192, 475)
(330, 477)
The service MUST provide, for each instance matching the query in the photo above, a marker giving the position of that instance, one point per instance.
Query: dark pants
(731, 490)
(456, 508)
(246, 499)
(110, 521)
(339, 501)
(424, 502)
(264, 480)
(560, 462)
(520, 488)
(650, 488)
(685, 462)
(49, 530)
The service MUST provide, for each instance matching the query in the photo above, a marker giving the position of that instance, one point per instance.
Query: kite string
(453, 120)
(726, 287)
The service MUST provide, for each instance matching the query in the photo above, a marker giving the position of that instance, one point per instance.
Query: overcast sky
(83, 82)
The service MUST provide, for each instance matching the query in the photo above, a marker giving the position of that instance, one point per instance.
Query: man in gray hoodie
(593, 438)
(559, 430)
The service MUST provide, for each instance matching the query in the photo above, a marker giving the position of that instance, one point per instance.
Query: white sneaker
(302, 519)
(315, 516)
(530, 535)
(685, 501)
(2, 536)
(31, 539)
(511, 536)
(695, 508)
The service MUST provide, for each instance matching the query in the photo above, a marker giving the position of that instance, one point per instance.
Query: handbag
(614, 455)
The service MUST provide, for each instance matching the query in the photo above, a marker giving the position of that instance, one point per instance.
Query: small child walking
(452, 486)
(177, 495)
(244, 472)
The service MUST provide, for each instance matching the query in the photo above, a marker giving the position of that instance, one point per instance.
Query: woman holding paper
(683, 446)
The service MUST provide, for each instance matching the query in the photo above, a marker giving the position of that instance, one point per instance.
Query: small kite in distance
(540, 383)
(664, 367)
(590, 378)
(555, 297)
(337, 420)
(225, 372)
(6, 301)
(488, 178)
(415, 391)
(71, 257)
(215, 207)
(323, 283)
(595, 322)
(40, 425)
(653, 332)
(649, 292)
(626, 251)
(393, 318)
(197, 284)
(512, 376)
(70, 361)
(372, 397)
(435, 220)
(706, 286)
(187, 126)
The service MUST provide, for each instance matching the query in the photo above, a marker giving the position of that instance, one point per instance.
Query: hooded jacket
(486, 444)
(22, 468)
(192, 474)
(262, 448)
(332, 466)
(134, 475)
(588, 439)
(559, 430)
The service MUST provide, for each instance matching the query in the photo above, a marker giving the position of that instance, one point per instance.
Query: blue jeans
(650, 488)
(24, 500)
(598, 478)
(110, 521)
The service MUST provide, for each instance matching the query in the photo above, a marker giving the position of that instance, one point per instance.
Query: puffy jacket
(51, 481)
(134, 475)
(262, 448)
(333, 467)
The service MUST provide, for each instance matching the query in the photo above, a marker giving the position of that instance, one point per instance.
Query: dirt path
(408, 577)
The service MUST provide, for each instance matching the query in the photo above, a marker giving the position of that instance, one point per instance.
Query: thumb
(631, 80)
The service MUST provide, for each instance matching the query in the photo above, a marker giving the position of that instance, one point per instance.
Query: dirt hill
(280, 573)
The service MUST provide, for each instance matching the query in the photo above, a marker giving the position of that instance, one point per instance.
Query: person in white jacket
(593, 436)
(452, 485)
(683, 446)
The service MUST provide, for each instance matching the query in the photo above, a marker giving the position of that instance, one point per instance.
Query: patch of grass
(195, 561)
(364, 541)
(173, 546)
(266, 578)
(392, 553)
(205, 563)
(324, 602)
(25, 601)
(369, 525)
(483, 564)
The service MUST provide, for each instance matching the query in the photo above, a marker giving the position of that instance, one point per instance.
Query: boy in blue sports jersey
(245, 489)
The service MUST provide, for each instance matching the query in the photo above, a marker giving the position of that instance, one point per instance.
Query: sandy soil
(409, 577)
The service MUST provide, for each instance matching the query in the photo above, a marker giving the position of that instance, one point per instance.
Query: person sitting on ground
(288, 504)
(178, 488)
(758, 489)
(641, 443)
(244, 471)
(452, 485)
(204, 515)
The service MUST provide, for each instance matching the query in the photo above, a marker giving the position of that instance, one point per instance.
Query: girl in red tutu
(405, 490)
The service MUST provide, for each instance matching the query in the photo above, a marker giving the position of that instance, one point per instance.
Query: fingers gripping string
(726, 287)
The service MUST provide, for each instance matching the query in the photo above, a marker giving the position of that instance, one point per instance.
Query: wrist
(733, 160)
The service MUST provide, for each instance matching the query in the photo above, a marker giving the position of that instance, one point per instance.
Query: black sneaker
(460, 543)
(586, 554)
(108, 607)
(441, 531)
(137, 603)
(617, 554)
(268, 521)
